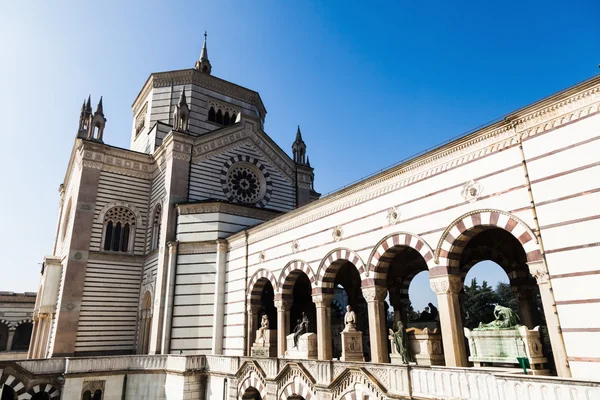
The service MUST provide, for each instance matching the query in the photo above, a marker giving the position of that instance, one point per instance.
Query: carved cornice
(225, 208)
(192, 76)
(347, 379)
(197, 247)
(292, 370)
(120, 161)
(569, 105)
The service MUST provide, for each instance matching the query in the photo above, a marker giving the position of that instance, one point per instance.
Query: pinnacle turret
(203, 64)
(299, 148)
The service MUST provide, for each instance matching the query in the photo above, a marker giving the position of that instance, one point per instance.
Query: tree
(478, 304)
(507, 298)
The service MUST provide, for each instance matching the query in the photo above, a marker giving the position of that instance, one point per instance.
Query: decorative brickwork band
(257, 284)
(331, 264)
(385, 251)
(457, 235)
(290, 273)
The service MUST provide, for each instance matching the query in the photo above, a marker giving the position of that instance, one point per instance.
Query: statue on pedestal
(264, 325)
(401, 342)
(300, 329)
(349, 320)
(351, 338)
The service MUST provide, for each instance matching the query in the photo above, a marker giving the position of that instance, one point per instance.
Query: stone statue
(506, 318)
(264, 325)
(300, 329)
(349, 320)
(401, 342)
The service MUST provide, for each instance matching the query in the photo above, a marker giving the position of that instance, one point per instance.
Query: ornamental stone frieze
(374, 293)
(539, 271)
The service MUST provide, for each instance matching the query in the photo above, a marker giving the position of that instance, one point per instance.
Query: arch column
(11, 336)
(375, 295)
(323, 305)
(447, 288)
(283, 324)
(526, 297)
(539, 270)
(253, 310)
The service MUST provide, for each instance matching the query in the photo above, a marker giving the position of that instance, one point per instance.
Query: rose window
(244, 183)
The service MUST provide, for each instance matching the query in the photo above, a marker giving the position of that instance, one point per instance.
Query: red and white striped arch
(386, 249)
(254, 382)
(290, 273)
(257, 284)
(457, 235)
(297, 388)
(332, 262)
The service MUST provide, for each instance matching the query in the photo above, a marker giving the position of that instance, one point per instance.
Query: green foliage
(479, 301)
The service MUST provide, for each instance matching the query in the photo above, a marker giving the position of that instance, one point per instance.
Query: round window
(246, 183)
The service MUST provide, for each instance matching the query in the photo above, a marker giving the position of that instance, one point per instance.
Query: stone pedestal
(503, 346)
(425, 346)
(352, 347)
(266, 346)
(307, 347)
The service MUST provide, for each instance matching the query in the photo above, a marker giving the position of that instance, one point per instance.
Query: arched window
(219, 118)
(41, 396)
(226, 118)
(211, 114)
(156, 227)
(119, 229)
(233, 118)
(65, 221)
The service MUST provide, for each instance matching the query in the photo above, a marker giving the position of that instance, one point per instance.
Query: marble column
(375, 295)
(283, 324)
(526, 297)
(253, 310)
(540, 272)
(447, 288)
(323, 304)
(11, 335)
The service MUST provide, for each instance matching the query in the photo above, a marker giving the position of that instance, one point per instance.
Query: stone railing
(336, 377)
(474, 384)
(222, 364)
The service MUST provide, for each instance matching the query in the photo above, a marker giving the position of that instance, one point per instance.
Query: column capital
(283, 305)
(446, 284)
(539, 271)
(323, 299)
(221, 244)
(253, 308)
(173, 247)
(374, 293)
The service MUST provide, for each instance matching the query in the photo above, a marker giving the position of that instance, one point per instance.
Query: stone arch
(456, 235)
(252, 381)
(23, 321)
(289, 274)
(7, 323)
(131, 207)
(296, 388)
(386, 249)
(15, 384)
(41, 388)
(353, 384)
(330, 265)
(294, 380)
(257, 284)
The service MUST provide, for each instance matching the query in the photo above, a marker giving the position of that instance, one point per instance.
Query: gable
(243, 148)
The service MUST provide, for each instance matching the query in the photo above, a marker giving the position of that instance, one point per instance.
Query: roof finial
(203, 64)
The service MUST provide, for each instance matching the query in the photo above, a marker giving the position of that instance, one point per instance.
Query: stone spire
(181, 116)
(85, 119)
(299, 148)
(98, 123)
(203, 64)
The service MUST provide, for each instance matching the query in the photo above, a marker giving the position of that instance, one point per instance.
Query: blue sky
(369, 83)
